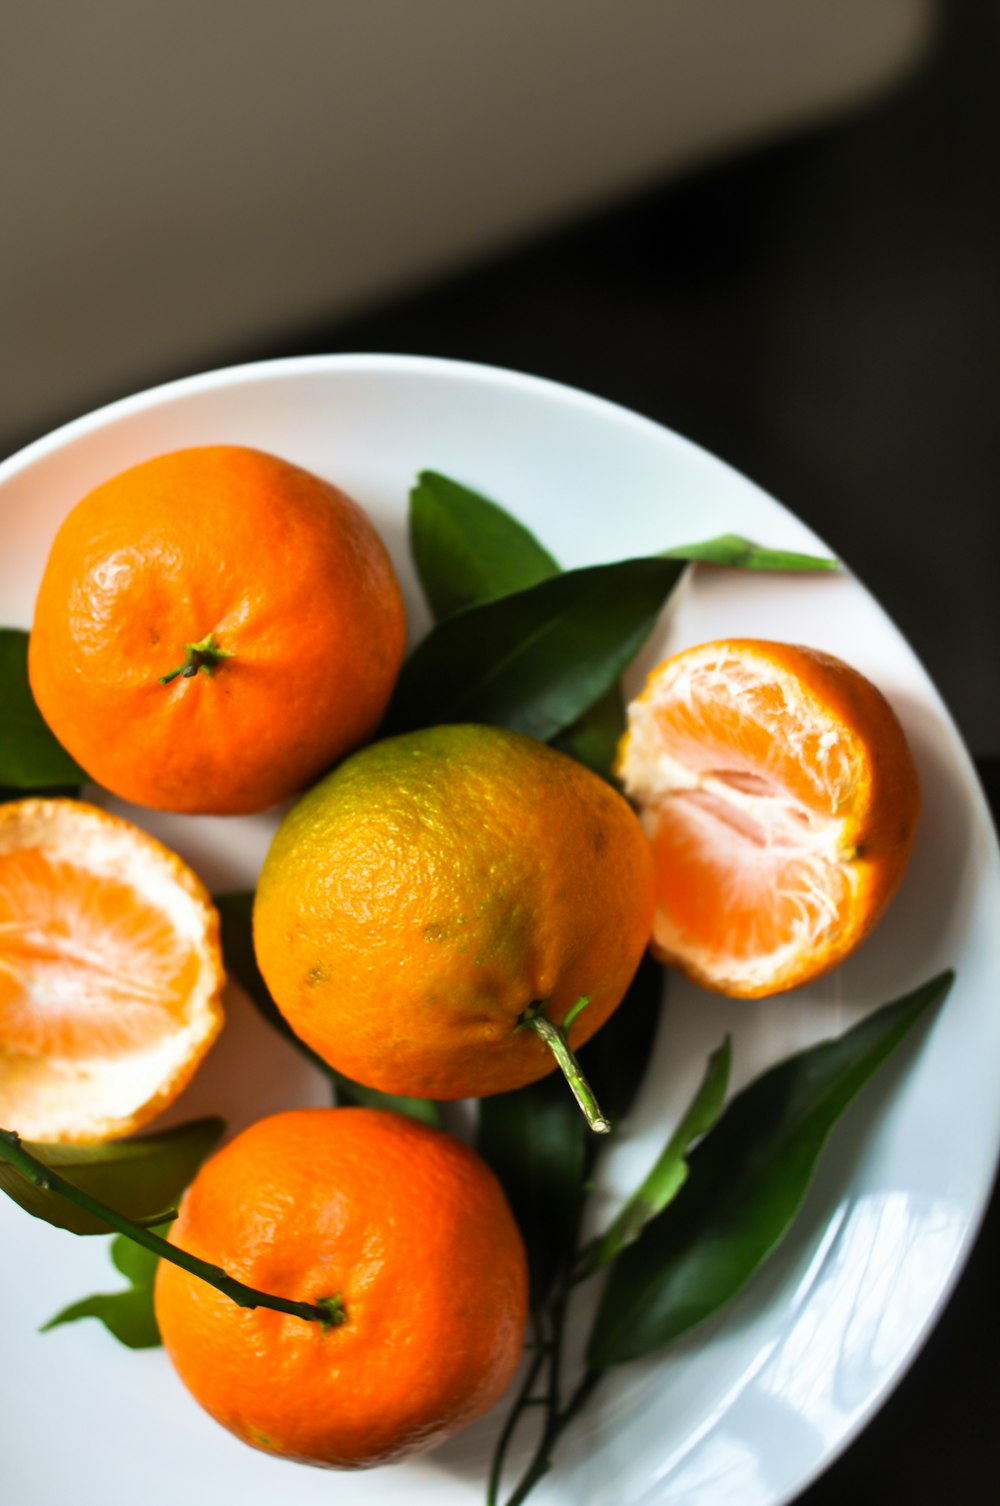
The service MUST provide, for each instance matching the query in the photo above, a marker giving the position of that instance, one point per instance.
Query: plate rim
(487, 374)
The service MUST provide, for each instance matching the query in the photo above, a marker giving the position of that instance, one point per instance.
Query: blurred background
(770, 224)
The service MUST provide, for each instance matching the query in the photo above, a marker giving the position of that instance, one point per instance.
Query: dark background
(825, 315)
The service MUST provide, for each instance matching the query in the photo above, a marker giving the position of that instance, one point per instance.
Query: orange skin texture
(421, 897)
(409, 1226)
(285, 570)
(871, 790)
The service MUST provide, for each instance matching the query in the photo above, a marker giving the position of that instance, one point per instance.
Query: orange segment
(780, 798)
(109, 972)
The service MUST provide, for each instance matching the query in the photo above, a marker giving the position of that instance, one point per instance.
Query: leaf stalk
(555, 1038)
(329, 1312)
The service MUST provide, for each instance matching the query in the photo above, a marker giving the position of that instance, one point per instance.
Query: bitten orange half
(110, 972)
(780, 797)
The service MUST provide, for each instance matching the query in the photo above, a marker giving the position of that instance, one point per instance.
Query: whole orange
(260, 593)
(437, 889)
(407, 1227)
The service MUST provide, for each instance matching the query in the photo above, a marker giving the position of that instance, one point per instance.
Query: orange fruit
(436, 887)
(260, 592)
(110, 972)
(780, 797)
(408, 1227)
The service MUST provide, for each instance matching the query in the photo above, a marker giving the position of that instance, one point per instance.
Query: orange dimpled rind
(418, 900)
(408, 1227)
(282, 580)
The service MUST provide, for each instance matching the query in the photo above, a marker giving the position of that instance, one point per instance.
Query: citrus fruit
(439, 892)
(780, 797)
(110, 972)
(214, 628)
(409, 1232)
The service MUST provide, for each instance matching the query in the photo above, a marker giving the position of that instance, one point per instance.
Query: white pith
(727, 794)
(44, 1096)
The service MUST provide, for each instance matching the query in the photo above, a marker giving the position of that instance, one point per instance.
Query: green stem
(556, 1419)
(555, 1038)
(522, 1400)
(542, 1461)
(206, 655)
(327, 1311)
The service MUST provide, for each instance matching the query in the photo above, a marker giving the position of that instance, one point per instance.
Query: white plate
(753, 1405)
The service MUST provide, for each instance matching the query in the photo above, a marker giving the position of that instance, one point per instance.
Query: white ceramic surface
(751, 1406)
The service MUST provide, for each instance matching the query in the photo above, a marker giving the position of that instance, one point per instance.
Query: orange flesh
(780, 799)
(742, 851)
(87, 967)
(748, 744)
(713, 861)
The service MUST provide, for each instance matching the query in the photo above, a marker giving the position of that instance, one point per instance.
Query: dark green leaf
(236, 923)
(593, 739)
(236, 930)
(141, 1178)
(30, 756)
(537, 1142)
(49, 792)
(670, 1172)
(467, 549)
(741, 554)
(615, 1060)
(537, 660)
(535, 1139)
(349, 1091)
(748, 1178)
(129, 1313)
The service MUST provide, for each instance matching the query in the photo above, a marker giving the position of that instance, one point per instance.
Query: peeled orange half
(110, 972)
(780, 796)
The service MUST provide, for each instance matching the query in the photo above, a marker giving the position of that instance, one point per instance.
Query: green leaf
(129, 1313)
(535, 1140)
(236, 925)
(135, 1262)
(748, 1178)
(467, 549)
(593, 739)
(742, 554)
(537, 660)
(669, 1173)
(141, 1178)
(30, 756)
(49, 792)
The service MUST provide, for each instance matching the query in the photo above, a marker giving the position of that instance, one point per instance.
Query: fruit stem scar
(335, 1311)
(555, 1038)
(206, 655)
(327, 1311)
